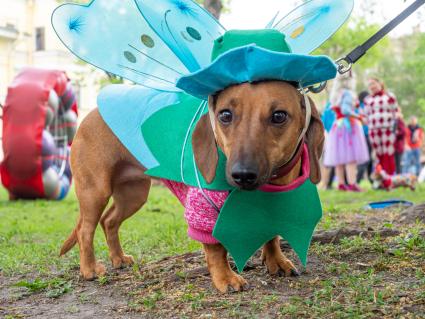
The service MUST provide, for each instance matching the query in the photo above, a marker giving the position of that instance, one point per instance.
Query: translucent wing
(272, 21)
(185, 27)
(124, 108)
(312, 23)
(112, 35)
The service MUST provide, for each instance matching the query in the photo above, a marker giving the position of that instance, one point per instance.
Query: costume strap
(198, 113)
(296, 154)
(186, 139)
(204, 194)
(307, 115)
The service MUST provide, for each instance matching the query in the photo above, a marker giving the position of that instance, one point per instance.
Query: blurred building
(28, 39)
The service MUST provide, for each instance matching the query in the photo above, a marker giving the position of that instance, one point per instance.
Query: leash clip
(344, 65)
(317, 88)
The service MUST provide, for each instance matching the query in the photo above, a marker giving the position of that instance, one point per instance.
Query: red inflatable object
(24, 117)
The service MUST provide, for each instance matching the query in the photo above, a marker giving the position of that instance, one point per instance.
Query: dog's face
(257, 127)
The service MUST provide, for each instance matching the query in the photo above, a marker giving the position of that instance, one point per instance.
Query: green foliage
(33, 286)
(399, 62)
(352, 34)
(54, 288)
(403, 71)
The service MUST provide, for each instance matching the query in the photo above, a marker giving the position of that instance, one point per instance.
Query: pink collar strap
(305, 174)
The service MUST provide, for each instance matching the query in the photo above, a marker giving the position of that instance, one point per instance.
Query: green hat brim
(251, 64)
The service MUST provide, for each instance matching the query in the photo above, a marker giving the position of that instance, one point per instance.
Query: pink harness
(201, 216)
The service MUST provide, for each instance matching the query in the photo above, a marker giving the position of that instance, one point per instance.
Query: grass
(341, 201)
(382, 285)
(359, 277)
(31, 232)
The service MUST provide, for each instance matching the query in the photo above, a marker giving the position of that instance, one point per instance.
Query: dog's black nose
(244, 177)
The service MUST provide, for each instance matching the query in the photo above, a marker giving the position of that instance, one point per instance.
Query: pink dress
(346, 142)
(201, 216)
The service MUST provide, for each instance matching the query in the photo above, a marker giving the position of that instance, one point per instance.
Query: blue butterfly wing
(311, 24)
(112, 35)
(185, 27)
(124, 108)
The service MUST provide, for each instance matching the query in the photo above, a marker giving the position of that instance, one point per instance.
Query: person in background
(328, 119)
(368, 166)
(400, 140)
(414, 141)
(380, 112)
(345, 146)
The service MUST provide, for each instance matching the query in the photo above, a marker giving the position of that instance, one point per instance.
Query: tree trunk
(214, 7)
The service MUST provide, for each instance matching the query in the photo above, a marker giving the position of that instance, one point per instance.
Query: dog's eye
(279, 117)
(225, 117)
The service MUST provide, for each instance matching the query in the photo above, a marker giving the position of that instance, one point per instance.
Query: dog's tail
(70, 241)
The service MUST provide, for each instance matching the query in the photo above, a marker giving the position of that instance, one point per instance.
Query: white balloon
(51, 183)
(69, 101)
(70, 121)
(53, 101)
(49, 117)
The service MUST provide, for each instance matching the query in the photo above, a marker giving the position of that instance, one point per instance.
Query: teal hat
(255, 55)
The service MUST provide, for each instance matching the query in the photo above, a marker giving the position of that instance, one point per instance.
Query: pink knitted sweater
(201, 216)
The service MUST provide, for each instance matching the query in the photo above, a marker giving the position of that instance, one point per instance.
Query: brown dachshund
(256, 126)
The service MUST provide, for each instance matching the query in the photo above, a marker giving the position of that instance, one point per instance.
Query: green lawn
(31, 232)
(355, 278)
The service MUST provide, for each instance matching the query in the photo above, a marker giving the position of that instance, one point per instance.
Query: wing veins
(153, 59)
(145, 74)
(294, 21)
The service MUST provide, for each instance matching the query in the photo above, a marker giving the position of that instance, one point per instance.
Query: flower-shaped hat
(254, 55)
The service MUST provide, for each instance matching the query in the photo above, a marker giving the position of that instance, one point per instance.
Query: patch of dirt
(85, 300)
(413, 214)
(370, 278)
(396, 216)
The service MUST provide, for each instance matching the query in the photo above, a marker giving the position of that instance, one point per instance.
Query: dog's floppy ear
(205, 148)
(315, 138)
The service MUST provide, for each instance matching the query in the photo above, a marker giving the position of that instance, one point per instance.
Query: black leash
(345, 64)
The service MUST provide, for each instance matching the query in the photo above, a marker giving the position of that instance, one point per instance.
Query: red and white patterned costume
(380, 110)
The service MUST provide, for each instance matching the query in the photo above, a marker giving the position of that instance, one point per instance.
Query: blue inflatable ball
(64, 187)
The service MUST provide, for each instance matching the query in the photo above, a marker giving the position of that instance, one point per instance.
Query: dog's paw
(278, 264)
(99, 270)
(122, 261)
(229, 282)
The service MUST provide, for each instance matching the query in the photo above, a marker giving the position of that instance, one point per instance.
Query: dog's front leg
(275, 261)
(223, 277)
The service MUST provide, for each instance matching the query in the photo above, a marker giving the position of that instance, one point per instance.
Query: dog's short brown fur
(103, 168)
